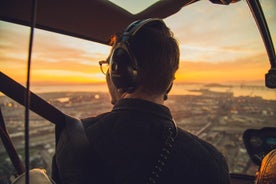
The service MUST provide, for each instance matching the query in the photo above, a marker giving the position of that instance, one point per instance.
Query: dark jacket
(126, 143)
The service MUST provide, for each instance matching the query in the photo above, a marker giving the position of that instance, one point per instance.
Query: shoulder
(199, 158)
(91, 121)
(190, 140)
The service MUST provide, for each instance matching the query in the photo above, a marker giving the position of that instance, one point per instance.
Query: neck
(159, 99)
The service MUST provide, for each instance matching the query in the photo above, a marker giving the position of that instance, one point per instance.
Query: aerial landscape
(217, 117)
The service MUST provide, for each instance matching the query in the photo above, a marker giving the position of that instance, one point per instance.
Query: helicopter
(94, 22)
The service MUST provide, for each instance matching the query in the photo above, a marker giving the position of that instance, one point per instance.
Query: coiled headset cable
(170, 135)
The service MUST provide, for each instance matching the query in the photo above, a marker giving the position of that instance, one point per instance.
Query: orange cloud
(247, 69)
(61, 59)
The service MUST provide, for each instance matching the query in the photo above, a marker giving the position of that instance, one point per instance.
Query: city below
(220, 118)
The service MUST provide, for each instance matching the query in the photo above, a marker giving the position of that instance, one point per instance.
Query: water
(251, 90)
(236, 89)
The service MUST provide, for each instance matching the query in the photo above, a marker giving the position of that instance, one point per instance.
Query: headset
(123, 65)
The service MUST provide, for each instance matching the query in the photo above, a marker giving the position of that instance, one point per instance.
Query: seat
(267, 172)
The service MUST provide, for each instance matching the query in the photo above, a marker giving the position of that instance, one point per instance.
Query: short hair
(157, 54)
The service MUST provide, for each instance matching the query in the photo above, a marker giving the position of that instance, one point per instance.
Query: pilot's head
(143, 60)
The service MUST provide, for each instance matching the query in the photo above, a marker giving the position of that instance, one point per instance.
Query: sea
(237, 89)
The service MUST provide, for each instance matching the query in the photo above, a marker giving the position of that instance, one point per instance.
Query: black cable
(27, 93)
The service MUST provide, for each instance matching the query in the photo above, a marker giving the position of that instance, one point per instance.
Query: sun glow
(213, 49)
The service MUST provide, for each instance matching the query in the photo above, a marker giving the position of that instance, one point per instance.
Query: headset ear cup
(122, 73)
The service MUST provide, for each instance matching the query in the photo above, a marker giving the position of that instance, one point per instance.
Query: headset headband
(137, 25)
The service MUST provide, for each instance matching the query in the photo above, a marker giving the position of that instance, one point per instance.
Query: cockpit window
(56, 59)
(216, 39)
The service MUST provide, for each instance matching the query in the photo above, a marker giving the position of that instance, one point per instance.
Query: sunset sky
(218, 43)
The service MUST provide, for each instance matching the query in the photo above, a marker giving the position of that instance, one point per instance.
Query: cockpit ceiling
(134, 6)
(94, 20)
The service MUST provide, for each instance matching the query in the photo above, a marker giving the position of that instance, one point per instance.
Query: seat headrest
(267, 172)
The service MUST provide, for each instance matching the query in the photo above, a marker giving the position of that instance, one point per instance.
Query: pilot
(137, 141)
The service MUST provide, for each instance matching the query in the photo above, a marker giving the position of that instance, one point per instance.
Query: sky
(217, 44)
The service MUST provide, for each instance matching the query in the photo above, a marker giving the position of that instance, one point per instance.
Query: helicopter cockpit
(224, 91)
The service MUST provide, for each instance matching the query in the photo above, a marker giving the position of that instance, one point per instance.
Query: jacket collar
(132, 104)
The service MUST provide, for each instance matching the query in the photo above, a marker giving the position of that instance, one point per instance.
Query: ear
(168, 90)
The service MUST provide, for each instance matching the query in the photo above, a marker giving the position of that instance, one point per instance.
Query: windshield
(223, 62)
(218, 92)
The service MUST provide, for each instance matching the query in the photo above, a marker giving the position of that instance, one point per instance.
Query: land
(217, 117)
